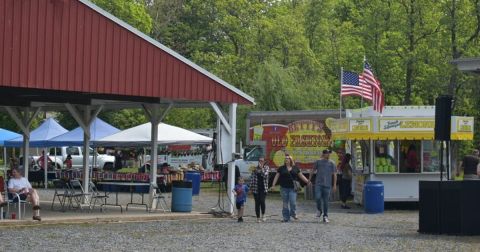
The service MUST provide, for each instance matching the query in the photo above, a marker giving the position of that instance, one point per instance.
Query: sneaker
(345, 207)
(325, 219)
(264, 218)
(319, 214)
(295, 217)
(285, 220)
(240, 219)
(258, 220)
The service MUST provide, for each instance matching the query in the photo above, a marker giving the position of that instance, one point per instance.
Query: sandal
(38, 218)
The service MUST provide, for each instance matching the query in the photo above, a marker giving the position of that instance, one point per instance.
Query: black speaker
(443, 114)
(451, 207)
(429, 206)
(470, 217)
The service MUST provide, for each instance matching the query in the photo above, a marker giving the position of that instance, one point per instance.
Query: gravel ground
(348, 230)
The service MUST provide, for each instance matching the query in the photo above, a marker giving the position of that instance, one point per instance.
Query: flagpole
(341, 81)
(361, 101)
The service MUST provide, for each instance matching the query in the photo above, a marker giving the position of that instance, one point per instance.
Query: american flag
(368, 78)
(351, 85)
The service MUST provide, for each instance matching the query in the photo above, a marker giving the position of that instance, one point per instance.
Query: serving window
(431, 156)
(386, 156)
(410, 154)
(361, 155)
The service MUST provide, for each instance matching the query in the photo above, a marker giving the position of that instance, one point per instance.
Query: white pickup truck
(58, 156)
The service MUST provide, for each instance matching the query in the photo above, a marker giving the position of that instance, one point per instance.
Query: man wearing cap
(325, 170)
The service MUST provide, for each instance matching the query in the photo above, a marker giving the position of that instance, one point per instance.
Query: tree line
(288, 54)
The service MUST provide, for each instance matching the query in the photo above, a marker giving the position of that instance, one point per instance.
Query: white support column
(155, 113)
(87, 119)
(26, 153)
(231, 165)
(218, 143)
(84, 116)
(23, 122)
(45, 171)
(221, 116)
(226, 140)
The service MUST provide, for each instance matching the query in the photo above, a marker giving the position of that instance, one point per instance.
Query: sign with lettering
(406, 124)
(337, 125)
(464, 124)
(360, 125)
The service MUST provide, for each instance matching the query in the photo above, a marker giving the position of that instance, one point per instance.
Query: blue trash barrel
(195, 178)
(373, 191)
(181, 196)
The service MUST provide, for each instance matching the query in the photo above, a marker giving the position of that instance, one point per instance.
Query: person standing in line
(287, 174)
(325, 170)
(471, 165)
(68, 162)
(345, 180)
(259, 187)
(118, 160)
(240, 191)
(412, 163)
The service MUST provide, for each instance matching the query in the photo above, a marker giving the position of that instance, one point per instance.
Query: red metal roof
(73, 45)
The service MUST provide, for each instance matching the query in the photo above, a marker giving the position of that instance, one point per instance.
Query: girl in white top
(20, 185)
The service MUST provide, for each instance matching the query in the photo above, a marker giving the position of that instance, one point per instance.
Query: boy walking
(240, 191)
(325, 171)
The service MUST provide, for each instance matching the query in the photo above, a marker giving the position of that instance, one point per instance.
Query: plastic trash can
(181, 196)
(374, 198)
(195, 178)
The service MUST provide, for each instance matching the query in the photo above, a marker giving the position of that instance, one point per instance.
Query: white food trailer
(397, 148)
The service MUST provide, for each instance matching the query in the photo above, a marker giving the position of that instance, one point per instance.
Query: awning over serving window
(398, 128)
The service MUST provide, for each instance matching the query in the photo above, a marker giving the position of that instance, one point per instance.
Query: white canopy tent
(141, 135)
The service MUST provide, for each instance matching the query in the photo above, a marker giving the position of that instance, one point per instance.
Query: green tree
(132, 12)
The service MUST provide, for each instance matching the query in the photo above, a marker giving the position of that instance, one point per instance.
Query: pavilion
(72, 55)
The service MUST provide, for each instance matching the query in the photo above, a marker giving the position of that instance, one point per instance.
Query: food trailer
(397, 147)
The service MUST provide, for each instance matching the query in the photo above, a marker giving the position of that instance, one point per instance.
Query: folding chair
(61, 192)
(157, 197)
(16, 200)
(77, 194)
(96, 196)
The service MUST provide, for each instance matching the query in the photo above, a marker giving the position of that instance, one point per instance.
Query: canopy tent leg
(85, 120)
(45, 169)
(156, 114)
(226, 132)
(24, 120)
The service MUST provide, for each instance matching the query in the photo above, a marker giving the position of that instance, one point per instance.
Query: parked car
(58, 156)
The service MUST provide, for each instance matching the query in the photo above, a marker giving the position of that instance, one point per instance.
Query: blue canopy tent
(99, 129)
(40, 136)
(6, 135)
